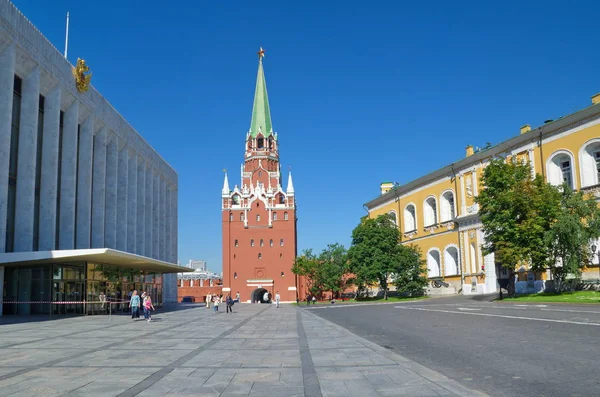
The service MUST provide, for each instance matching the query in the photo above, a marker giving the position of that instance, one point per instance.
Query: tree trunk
(511, 285)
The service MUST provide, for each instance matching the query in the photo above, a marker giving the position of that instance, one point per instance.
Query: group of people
(217, 299)
(145, 302)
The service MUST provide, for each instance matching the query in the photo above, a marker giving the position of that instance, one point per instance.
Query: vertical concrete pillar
(122, 197)
(141, 206)
(84, 184)
(162, 234)
(99, 188)
(132, 201)
(49, 179)
(155, 216)
(1, 286)
(26, 162)
(175, 223)
(149, 190)
(168, 224)
(7, 79)
(66, 238)
(110, 216)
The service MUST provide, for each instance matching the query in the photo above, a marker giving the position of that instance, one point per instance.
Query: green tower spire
(261, 115)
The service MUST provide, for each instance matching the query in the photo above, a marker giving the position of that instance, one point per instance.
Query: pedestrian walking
(229, 303)
(208, 300)
(277, 298)
(147, 307)
(216, 304)
(237, 297)
(134, 304)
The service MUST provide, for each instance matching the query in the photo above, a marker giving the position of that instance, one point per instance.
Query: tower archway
(258, 296)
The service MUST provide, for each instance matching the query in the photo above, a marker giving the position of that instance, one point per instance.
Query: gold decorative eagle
(82, 80)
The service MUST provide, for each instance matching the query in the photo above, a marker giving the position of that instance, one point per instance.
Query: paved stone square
(189, 351)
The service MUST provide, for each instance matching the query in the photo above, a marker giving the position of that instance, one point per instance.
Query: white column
(99, 188)
(84, 184)
(163, 212)
(463, 197)
(110, 216)
(168, 224)
(141, 206)
(122, 197)
(155, 215)
(49, 178)
(66, 233)
(531, 152)
(475, 187)
(149, 243)
(132, 202)
(28, 137)
(7, 78)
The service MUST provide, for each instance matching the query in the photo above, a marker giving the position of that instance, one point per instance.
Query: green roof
(261, 115)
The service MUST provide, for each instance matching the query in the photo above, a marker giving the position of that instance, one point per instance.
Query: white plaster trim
(458, 263)
(437, 215)
(582, 153)
(416, 223)
(573, 164)
(441, 266)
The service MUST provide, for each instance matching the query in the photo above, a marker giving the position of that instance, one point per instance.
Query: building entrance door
(68, 291)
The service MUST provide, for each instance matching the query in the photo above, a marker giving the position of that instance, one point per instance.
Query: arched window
(410, 218)
(589, 157)
(262, 243)
(433, 263)
(230, 217)
(285, 216)
(447, 206)
(280, 255)
(450, 261)
(274, 216)
(271, 242)
(242, 217)
(235, 275)
(282, 274)
(281, 243)
(393, 216)
(235, 199)
(252, 243)
(561, 169)
(235, 243)
(257, 218)
(474, 266)
(430, 211)
(259, 255)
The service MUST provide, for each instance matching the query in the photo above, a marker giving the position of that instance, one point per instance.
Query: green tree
(568, 239)
(334, 269)
(410, 276)
(375, 253)
(307, 266)
(516, 210)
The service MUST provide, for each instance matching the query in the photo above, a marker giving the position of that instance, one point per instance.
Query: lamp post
(594, 252)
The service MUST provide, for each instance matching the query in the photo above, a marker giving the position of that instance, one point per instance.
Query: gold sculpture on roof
(82, 80)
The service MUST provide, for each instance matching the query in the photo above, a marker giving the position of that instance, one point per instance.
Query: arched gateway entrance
(258, 296)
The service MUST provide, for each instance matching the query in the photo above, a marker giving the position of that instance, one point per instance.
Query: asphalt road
(502, 349)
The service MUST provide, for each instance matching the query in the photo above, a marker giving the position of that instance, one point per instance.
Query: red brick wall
(197, 291)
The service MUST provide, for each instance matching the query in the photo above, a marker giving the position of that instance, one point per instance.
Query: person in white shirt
(277, 298)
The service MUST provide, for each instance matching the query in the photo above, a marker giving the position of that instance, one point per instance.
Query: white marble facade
(118, 194)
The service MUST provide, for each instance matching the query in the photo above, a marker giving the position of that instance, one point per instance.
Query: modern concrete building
(81, 193)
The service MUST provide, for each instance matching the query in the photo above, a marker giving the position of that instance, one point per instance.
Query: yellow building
(438, 212)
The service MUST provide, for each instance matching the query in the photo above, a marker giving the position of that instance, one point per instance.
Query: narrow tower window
(262, 243)
(285, 216)
(235, 243)
(281, 243)
(271, 242)
(274, 216)
(257, 218)
(252, 243)
(230, 217)
(259, 255)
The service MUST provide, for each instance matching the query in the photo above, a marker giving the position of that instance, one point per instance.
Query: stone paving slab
(257, 351)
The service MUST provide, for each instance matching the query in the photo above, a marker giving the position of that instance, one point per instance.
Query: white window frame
(414, 216)
(445, 204)
(588, 160)
(426, 221)
(552, 167)
(432, 267)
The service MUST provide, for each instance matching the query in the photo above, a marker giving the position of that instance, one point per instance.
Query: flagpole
(67, 36)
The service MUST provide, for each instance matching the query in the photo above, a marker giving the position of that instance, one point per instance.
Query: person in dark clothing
(229, 303)
(307, 299)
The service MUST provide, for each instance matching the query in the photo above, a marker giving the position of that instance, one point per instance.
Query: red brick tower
(259, 216)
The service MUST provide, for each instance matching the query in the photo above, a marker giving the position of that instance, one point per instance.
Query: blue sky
(360, 92)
